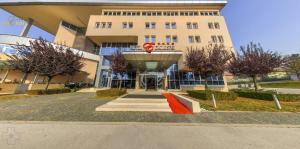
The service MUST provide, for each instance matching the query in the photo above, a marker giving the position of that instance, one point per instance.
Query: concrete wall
(138, 32)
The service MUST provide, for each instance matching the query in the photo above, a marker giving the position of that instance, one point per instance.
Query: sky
(273, 23)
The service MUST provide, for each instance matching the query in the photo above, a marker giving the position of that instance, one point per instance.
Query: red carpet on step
(175, 105)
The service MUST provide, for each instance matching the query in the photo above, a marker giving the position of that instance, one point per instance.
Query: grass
(289, 84)
(247, 104)
(15, 96)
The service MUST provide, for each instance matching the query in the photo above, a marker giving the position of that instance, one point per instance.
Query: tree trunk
(120, 86)
(24, 78)
(206, 84)
(5, 76)
(35, 78)
(255, 82)
(48, 82)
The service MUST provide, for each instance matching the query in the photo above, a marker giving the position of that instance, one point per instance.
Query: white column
(26, 28)
(137, 80)
(98, 73)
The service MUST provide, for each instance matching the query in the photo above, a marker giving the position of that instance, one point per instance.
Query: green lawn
(247, 104)
(290, 84)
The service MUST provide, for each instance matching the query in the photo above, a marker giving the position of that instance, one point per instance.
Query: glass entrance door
(152, 81)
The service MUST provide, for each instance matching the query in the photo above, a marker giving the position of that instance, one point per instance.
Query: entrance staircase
(140, 101)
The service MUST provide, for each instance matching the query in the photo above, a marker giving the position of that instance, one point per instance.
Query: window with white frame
(168, 39)
(214, 39)
(191, 39)
(221, 39)
(174, 39)
(127, 25)
(197, 39)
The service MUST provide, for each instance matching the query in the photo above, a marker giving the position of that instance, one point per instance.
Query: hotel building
(102, 27)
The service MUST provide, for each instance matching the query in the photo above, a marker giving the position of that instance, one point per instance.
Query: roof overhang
(164, 59)
(47, 14)
(112, 2)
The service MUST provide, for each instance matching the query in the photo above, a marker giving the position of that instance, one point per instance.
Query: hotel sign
(149, 47)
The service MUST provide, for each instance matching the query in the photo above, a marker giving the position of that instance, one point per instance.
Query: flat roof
(47, 14)
(110, 2)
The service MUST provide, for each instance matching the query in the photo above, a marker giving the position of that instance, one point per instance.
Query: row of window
(152, 25)
(191, 39)
(161, 13)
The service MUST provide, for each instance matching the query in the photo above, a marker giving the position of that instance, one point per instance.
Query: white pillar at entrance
(137, 79)
(166, 80)
(98, 72)
(26, 28)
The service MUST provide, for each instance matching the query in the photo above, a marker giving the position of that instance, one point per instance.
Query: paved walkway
(140, 101)
(81, 107)
(58, 135)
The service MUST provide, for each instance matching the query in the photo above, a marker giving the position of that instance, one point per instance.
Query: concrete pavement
(79, 135)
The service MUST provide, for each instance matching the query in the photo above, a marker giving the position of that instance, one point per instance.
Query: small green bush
(267, 95)
(207, 95)
(111, 92)
(49, 91)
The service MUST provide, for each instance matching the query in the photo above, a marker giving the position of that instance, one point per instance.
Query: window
(153, 38)
(214, 39)
(109, 24)
(210, 25)
(130, 25)
(189, 25)
(147, 38)
(197, 39)
(150, 25)
(191, 39)
(221, 39)
(195, 25)
(102, 25)
(127, 25)
(167, 25)
(168, 39)
(147, 25)
(217, 26)
(174, 39)
(173, 24)
(153, 25)
(124, 25)
(97, 24)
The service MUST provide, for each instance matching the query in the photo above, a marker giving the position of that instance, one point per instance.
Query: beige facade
(92, 26)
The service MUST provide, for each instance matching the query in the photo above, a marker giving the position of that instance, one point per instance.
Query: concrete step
(140, 101)
(138, 104)
(138, 108)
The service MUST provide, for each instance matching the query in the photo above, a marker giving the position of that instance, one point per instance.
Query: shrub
(49, 91)
(111, 92)
(267, 95)
(207, 95)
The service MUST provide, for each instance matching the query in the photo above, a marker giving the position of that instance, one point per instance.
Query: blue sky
(273, 23)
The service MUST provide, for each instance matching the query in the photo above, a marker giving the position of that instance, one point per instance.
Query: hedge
(267, 95)
(111, 92)
(49, 91)
(207, 95)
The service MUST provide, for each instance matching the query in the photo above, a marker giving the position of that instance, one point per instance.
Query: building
(153, 36)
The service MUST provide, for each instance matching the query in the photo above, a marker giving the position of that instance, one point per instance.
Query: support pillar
(137, 80)
(26, 28)
(98, 73)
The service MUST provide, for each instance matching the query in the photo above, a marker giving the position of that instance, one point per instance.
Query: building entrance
(152, 81)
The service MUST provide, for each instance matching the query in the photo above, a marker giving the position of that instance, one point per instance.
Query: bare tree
(253, 61)
(50, 60)
(293, 64)
(23, 60)
(208, 61)
(119, 65)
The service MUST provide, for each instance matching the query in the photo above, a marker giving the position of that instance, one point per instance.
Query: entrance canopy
(158, 60)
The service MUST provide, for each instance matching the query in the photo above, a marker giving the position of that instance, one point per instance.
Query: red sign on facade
(148, 46)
